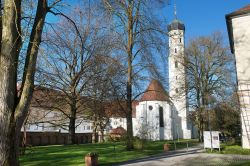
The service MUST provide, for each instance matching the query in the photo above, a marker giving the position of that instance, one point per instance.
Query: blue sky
(202, 17)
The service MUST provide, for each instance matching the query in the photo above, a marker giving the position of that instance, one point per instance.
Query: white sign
(215, 141)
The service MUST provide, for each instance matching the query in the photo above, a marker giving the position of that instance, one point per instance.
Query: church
(162, 115)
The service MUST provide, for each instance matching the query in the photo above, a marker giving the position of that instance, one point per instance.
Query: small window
(180, 40)
(176, 90)
(176, 77)
(150, 107)
(175, 50)
(88, 127)
(176, 64)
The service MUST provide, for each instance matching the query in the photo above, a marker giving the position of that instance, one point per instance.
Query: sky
(203, 17)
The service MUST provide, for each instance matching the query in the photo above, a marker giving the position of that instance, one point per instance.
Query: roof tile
(155, 92)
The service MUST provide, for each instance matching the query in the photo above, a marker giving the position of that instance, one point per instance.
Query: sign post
(211, 139)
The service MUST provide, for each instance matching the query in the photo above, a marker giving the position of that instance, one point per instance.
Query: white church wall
(147, 123)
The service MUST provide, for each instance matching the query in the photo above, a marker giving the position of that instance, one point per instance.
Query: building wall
(54, 138)
(177, 90)
(147, 121)
(118, 122)
(241, 37)
(50, 121)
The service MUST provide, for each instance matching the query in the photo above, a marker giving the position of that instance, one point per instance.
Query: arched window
(161, 118)
(180, 40)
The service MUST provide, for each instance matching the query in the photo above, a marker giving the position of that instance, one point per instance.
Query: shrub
(92, 154)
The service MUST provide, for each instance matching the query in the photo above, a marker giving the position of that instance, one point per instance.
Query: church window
(176, 64)
(161, 119)
(150, 107)
(175, 50)
(180, 40)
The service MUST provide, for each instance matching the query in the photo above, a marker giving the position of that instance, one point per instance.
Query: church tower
(177, 91)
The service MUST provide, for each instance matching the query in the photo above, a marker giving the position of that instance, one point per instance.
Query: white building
(238, 24)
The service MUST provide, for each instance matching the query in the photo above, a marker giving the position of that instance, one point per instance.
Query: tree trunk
(129, 82)
(13, 110)
(8, 65)
(94, 137)
(71, 137)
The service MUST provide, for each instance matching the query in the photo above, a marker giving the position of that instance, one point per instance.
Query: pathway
(193, 157)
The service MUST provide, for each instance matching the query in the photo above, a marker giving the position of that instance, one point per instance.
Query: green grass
(74, 154)
(244, 163)
(231, 149)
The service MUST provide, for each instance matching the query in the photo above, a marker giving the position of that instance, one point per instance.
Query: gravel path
(193, 157)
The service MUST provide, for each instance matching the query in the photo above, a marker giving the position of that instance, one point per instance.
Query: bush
(139, 143)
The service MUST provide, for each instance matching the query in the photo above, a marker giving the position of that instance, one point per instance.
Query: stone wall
(54, 138)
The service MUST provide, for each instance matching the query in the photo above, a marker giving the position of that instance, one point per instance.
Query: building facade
(238, 24)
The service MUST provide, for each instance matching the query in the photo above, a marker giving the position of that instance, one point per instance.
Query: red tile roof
(245, 8)
(155, 92)
(240, 11)
(118, 130)
(118, 109)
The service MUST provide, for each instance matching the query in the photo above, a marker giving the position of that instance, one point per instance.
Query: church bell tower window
(176, 64)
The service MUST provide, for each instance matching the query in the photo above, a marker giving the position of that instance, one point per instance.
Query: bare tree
(75, 45)
(137, 32)
(13, 108)
(208, 66)
(100, 91)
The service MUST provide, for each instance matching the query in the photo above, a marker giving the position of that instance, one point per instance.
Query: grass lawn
(244, 163)
(231, 149)
(65, 155)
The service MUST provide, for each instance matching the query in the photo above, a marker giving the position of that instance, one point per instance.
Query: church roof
(241, 11)
(155, 92)
(176, 25)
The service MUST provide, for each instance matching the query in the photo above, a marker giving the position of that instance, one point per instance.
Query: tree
(138, 37)
(13, 104)
(208, 66)
(226, 117)
(100, 91)
(75, 45)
